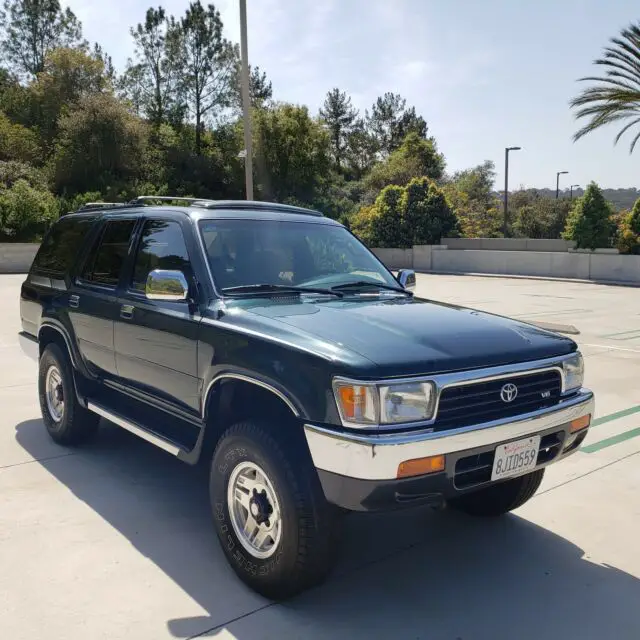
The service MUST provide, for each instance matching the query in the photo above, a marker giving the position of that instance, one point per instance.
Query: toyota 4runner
(268, 342)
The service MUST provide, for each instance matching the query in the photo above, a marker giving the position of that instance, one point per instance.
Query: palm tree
(616, 96)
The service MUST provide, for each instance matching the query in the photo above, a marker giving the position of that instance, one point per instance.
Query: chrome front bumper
(377, 457)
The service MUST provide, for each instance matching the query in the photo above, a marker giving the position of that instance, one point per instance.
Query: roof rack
(203, 203)
(253, 205)
(88, 206)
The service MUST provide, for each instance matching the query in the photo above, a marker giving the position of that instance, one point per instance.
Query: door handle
(126, 311)
(74, 301)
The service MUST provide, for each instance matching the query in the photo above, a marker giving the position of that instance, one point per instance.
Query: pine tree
(340, 117)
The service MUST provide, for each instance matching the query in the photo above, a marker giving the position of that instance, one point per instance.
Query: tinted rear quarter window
(62, 245)
(105, 263)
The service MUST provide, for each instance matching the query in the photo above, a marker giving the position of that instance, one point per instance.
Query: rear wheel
(66, 421)
(276, 528)
(500, 498)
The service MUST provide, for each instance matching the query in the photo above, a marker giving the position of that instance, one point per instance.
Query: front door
(156, 341)
(92, 297)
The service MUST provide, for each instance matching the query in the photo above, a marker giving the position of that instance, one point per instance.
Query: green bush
(25, 212)
(590, 223)
(403, 216)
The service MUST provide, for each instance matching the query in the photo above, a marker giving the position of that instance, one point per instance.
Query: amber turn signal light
(420, 466)
(580, 423)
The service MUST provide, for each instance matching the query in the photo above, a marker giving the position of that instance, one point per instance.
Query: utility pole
(506, 187)
(246, 102)
(558, 174)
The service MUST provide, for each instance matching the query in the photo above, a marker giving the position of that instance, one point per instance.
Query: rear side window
(105, 262)
(61, 246)
(161, 247)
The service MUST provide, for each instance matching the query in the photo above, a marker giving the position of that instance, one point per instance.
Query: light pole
(571, 191)
(246, 107)
(506, 185)
(558, 174)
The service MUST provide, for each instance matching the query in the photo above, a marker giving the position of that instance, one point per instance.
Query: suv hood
(408, 336)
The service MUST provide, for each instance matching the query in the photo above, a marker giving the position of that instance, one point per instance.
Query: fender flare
(291, 403)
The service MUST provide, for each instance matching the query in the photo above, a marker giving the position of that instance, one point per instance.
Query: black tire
(75, 424)
(310, 526)
(500, 498)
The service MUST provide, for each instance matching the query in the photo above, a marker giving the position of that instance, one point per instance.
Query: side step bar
(139, 431)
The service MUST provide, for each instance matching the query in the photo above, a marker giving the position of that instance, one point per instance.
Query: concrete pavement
(114, 540)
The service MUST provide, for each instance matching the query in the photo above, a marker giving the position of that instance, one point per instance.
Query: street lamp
(571, 191)
(506, 185)
(246, 111)
(558, 174)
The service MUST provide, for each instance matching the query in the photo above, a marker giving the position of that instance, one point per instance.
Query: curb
(609, 283)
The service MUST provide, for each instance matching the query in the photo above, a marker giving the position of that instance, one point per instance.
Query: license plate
(515, 458)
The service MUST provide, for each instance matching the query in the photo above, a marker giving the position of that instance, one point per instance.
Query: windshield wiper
(277, 288)
(359, 284)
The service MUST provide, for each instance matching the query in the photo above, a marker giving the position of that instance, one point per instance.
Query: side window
(105, 263)
(61, 245)
(161, 246)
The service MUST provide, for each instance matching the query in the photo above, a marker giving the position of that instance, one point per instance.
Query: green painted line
(608, 442)
(614, 416)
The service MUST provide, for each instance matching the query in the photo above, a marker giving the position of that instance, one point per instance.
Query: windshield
(250, 252)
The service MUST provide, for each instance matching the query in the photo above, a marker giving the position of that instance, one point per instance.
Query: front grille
(470, 404)
(476, 469)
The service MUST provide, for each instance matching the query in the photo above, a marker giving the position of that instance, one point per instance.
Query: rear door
(93, 303)
(156, 341)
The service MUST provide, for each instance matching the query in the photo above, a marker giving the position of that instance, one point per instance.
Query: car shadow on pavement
(412, 574)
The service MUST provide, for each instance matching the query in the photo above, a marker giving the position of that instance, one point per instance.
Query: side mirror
(407, 279)
(170, 286)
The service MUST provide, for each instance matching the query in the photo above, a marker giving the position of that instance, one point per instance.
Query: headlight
(573, 368)
(365, 405)
(406, 402)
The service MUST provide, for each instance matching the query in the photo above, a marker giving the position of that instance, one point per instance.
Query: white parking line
(608, 346)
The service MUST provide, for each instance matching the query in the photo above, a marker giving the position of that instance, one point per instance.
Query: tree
(542, 218)
(361, 150)
(156, 72)
(101, 146)
(33, 28)
(67, 76)
(415, 158)
(260, 88)
(403, 216)
(291, 154)
(616, 95)
(208, 62)
(390, 122)
(589, 223)
(340, 117)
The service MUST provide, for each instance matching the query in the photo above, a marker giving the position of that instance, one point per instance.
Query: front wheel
(500, 498)
(276, 529)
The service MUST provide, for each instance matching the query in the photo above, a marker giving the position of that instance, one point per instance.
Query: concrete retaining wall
(508, 244)
(16, 257)
(547, 264)
(399, 258)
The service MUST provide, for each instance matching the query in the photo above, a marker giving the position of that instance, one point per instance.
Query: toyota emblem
(509, 392)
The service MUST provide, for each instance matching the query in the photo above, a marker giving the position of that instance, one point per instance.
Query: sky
(485, 74)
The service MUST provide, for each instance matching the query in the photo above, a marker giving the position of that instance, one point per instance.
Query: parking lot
(115, 540)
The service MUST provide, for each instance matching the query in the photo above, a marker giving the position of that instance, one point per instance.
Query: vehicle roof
(205, 210)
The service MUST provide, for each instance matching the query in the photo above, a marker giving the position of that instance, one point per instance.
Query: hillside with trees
(73, 130)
